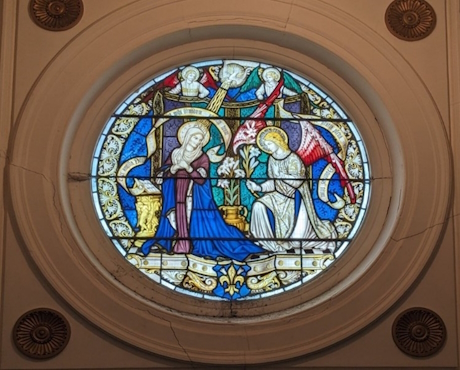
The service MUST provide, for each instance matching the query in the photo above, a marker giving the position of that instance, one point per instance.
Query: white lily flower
(239, 173)
(254, 152)
(223, 183)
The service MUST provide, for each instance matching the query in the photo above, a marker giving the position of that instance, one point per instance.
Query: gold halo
(190, 69)
(183, 130)
(261, 137)
(271, 70)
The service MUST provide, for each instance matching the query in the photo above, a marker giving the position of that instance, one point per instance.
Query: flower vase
(235, 216)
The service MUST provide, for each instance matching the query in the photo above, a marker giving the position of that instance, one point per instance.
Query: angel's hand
(253, 186)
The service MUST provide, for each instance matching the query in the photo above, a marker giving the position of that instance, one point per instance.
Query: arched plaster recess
(98, 69)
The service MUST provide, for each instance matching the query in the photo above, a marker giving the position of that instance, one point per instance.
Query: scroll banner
(323, 185)
(220, 124)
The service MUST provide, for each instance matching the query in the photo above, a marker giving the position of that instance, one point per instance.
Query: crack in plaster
(54, 196)
(426, 229)
(78, 176)
(192, 363)
(180, 345)
(289, 15)
(31, 171)
(380, 178)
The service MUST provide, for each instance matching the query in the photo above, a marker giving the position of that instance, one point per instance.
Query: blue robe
(210, 235)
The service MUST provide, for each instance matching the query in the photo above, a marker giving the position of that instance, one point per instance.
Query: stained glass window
(230, 180)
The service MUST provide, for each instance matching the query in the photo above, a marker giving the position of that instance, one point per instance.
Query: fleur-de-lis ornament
(232, 279)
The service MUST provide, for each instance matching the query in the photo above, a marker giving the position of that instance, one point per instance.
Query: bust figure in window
(189, 86)
(270, 80)
(284, 218)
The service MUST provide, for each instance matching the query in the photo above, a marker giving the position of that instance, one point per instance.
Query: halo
(184, 129)
(190, 69)
(264, 132)
(271, 70)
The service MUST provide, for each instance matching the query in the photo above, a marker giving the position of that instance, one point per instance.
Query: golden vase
(235, 216)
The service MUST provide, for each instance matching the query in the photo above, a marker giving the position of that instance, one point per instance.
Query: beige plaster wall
(27, 51)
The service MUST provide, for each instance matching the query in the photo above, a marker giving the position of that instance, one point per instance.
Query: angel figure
(271, 79)
(189, 86)
(271, 87)
(284, 218)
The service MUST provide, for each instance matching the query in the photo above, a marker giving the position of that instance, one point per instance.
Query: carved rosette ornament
(56, 15)
(41, 333)
(419, 332)
(410, 20)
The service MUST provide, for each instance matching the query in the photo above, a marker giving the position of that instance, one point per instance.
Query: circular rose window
(230, 180)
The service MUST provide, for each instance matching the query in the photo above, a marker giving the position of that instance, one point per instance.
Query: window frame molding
(54, 213)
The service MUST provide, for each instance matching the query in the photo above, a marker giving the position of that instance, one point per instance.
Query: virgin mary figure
(190, 221)
(284, 218)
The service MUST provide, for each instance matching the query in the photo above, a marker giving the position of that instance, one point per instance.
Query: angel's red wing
(313, 147)
(170, 81)
(207, 80)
